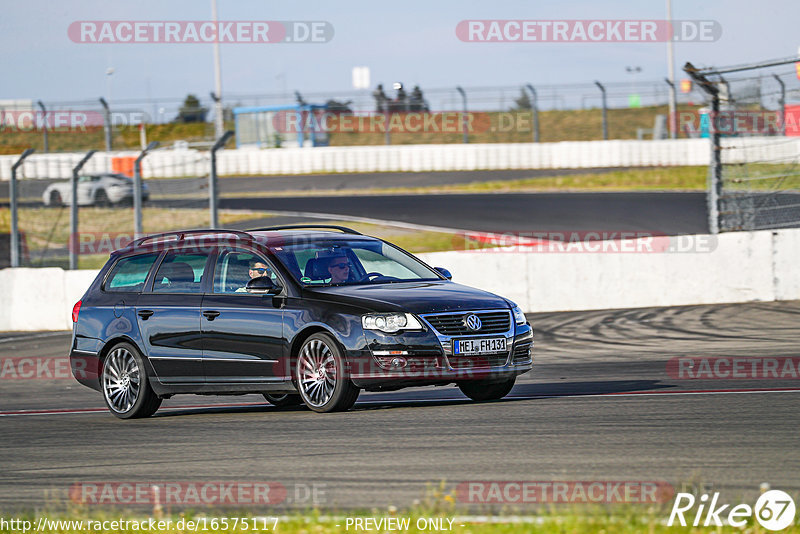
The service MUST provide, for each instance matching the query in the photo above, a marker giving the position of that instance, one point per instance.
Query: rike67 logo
(774, 510)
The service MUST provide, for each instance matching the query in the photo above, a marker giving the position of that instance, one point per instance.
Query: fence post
(673, 110)
(44, 126)
(213, 193)
(73, 241)
(715, 164)
(782, 103)
(535, 108)
(464, 116)
(106, 123)
(137, 189)
(605, 110)
(12, 192)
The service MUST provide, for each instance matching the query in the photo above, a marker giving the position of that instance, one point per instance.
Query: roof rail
(181, 235)
(344, 229)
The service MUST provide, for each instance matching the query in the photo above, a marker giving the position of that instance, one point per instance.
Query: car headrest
(179, 273)
(317, 269)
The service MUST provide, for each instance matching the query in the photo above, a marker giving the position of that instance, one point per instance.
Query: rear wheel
(126, 389)
(483, 391)
(283, 399)
(101, 199)
(322, 376)
(55, 199)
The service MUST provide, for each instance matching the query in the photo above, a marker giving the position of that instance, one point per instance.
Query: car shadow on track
(421, 398)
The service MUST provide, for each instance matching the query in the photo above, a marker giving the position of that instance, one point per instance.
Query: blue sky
(413, 41)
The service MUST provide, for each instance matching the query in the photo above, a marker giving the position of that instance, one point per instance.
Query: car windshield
(350, 262)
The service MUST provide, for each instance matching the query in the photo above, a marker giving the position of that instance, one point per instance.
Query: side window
(236, 268)
(180, 273)
(130, 273)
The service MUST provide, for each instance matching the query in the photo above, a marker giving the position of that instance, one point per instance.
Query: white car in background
(94, 190)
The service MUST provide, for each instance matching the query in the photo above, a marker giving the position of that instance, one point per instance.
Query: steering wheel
(370, 275)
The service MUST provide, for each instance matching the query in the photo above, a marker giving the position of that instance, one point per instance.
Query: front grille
(522, 351)
(478, 362)
(452, 324)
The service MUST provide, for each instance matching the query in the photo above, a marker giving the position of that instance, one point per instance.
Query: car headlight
(390, 322)
(519, 317)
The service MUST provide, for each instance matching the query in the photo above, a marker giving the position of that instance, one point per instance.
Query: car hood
(414, 297)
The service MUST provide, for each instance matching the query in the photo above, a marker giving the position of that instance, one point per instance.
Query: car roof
(194, 238)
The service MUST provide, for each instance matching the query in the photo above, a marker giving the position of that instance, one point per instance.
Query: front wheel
(126, 389)
(483, 391)
(283, 399)
(322, 378)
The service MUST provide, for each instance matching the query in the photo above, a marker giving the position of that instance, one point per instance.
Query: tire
(283, 399)
(55, 199)
(125, 385)
(486, 391)
(322, 375)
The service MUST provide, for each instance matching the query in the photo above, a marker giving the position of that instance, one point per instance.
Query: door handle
(211, 315)
(145, 314)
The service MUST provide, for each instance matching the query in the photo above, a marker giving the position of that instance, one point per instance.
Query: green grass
(640, 179)
(488, 127)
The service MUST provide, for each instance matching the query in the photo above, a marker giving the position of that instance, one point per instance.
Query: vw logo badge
(472, 321)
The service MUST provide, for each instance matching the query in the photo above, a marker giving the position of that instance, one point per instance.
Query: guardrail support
(213, 192)
(12, 191)
(73, 240)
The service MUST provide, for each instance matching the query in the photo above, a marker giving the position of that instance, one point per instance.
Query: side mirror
(444, 272)
(263, 285)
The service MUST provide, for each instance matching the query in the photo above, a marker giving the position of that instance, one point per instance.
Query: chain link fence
(753, 122)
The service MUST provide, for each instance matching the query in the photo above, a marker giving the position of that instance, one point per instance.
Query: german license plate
(490, 345)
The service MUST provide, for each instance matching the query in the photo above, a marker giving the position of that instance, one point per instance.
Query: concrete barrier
(421, 158)
(732, 267)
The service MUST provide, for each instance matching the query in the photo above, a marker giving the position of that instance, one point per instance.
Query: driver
(339, 269)
(257, 269)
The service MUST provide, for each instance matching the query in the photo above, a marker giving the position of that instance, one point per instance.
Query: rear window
(129, 274)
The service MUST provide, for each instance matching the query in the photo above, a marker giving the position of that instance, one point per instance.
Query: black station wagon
(300, 314)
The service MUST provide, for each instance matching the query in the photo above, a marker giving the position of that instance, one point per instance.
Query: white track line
(20, 413)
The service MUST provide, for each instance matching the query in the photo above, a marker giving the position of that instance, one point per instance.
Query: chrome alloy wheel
(316, 371)
(121, 380)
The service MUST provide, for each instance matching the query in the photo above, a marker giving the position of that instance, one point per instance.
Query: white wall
(420, 158)
(740, 267)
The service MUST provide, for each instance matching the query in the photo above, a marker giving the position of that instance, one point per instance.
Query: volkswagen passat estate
(300, 314)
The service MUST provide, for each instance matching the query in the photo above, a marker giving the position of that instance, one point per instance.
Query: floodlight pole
(74, 240)
(213, 191)
(14, 214)
(137, 189)
(673, 113)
